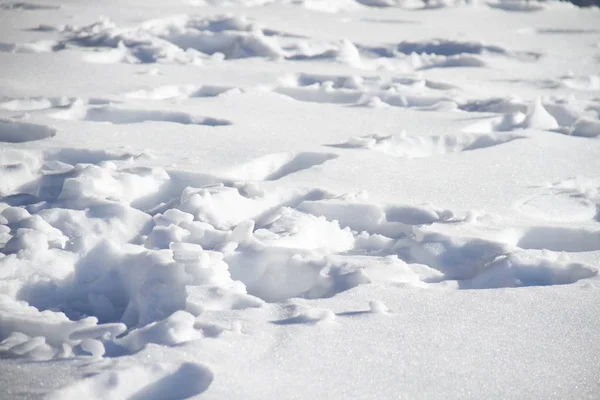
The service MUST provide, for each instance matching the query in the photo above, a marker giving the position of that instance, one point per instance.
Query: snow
(299, 199)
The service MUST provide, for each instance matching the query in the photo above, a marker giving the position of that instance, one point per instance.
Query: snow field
(195, 219)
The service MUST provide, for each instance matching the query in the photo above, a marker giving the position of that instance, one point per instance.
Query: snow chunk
(538, 117)
(177, 328)
(377, 307)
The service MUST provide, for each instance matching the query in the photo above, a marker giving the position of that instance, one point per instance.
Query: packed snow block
(105, 181)
(205, 235)
(54, 328)
(19, 132)
(242, 233)
(18, 168)
(96, 222)
(94, 347)
(538, 117)
(274, 273)
(162, 236)
(356, 216)
(14, 214)
(172, 216)
(26, 240)
(35, 223)
(232, 44)
(20, 345)
(201, 267)
(178, 39)
(125, 284)
(226, 207)
(175, 329)
(234, 37)
(201, 298)
(294, 229)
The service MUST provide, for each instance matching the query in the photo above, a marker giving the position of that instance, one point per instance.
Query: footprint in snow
(19, 132)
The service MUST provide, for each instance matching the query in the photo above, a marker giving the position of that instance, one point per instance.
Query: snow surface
(299, 199)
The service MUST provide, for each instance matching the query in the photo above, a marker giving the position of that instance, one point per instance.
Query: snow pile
(409, 91)
(191, 39)
(67, 251)
(175, 39)
(564, 115)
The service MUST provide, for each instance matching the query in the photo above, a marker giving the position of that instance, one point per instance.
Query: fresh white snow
(361, 199)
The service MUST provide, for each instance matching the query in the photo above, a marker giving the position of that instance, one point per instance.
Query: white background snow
(299, 199)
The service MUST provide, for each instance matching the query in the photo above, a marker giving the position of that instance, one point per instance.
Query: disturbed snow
(299, 199)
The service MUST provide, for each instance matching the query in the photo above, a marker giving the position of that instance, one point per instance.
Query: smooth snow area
(299, 199)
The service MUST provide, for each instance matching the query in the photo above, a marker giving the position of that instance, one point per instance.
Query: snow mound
(407, 91)
(175, 39)
(157, 272)
(538, 118)
(563, 115)
(190, 40)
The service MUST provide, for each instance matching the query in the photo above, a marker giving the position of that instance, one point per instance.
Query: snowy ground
(299, 199)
